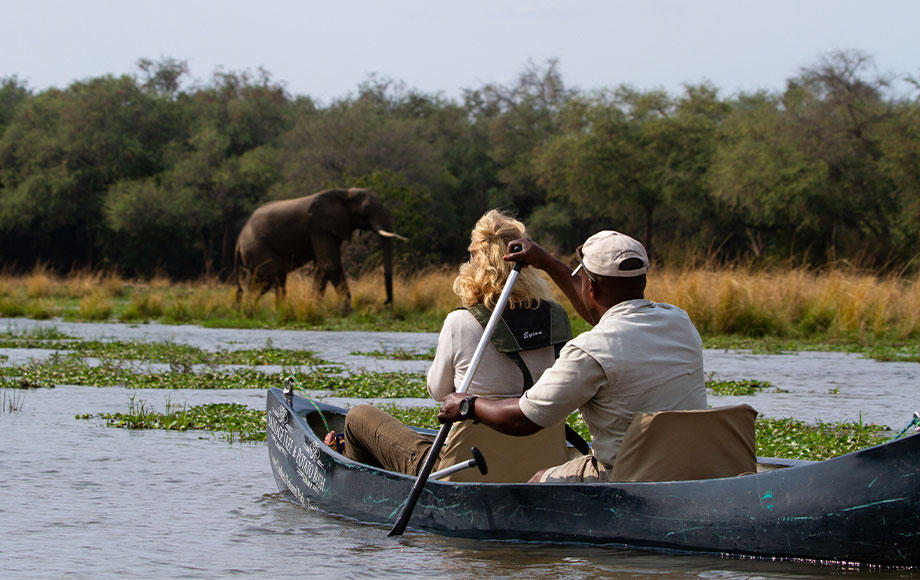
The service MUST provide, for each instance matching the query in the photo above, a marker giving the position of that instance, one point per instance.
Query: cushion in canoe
(682, 445)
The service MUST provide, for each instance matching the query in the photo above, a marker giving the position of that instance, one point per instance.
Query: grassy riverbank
(761, 310)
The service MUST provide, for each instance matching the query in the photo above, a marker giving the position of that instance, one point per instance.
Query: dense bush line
(147, 173)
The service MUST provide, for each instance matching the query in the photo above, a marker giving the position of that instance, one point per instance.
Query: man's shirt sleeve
(568, 384)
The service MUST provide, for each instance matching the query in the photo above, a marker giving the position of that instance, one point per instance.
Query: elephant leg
(248, 281)
(280, 284)
(328, 252)
(341, 287)
(319, 283)
(239, 291)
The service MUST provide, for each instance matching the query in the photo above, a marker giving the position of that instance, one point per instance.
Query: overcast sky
(325, 49)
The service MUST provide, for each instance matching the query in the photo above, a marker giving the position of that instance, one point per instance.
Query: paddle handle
(435, 450)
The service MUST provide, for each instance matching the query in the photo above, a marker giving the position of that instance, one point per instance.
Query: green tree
(387, 138)
(517, 120)
(807, 169)
(185, 219)
(59, 155)
(13, 93)
(626, 156)
(899, 141)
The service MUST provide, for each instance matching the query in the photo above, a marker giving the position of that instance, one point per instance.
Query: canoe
(859, 508)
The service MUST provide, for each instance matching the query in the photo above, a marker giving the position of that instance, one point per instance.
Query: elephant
(281, 236)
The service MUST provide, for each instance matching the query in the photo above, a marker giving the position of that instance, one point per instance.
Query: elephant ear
(329, 213)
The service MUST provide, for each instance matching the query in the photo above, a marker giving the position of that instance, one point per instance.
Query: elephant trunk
(386, 243)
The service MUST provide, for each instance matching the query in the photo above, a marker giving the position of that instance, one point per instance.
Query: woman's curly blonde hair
(483, 277)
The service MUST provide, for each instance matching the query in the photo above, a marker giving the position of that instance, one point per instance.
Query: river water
(80, 500)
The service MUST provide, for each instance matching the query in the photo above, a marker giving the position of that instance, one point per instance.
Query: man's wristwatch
(468, 407)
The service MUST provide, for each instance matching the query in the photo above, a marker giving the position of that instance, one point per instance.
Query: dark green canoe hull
(863, 507)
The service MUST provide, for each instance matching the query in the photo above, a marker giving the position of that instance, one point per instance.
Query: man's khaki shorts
(584, 468)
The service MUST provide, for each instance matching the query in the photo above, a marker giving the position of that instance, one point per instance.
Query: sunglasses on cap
(581, 266)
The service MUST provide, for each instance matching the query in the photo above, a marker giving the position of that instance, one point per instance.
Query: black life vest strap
(528, 378)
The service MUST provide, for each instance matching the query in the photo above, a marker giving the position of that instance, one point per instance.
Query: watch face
(465, 407)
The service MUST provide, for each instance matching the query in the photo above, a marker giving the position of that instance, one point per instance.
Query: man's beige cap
(604, 253)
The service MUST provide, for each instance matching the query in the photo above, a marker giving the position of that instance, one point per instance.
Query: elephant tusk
(387, 234)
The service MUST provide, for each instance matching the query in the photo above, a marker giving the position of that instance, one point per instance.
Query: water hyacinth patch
(793, 439)
(22, 383)
(399, 354)
(894, 353)
(366, 384)
(73, 370)
(426, 417)
(171, 352)
(159, 351)
(743, 387)
(39, 337)
(233, 421)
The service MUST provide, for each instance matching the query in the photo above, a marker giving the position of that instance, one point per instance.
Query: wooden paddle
(423, 475)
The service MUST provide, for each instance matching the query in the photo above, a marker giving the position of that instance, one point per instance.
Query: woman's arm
(440, 380)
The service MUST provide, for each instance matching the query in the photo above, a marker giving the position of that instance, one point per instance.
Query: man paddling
(640, 356)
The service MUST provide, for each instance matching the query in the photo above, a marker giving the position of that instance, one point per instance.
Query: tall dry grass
(840, 303)
(794, 302)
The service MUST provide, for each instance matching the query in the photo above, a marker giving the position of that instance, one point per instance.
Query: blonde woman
(525, 343)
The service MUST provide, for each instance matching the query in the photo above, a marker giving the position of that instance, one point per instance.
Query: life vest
(523, 329)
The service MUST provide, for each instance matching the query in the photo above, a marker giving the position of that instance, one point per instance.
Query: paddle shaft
(425, 472)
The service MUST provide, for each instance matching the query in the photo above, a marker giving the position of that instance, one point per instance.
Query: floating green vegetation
(71, 369)
(233, 421)
(38, 337)
(399, 354)
(740, 388)
(168, 352)
(367, 384)
(13, 393)
(183, 354)
(426, 417)
(793, 439)
(899, 353)
(880, 350)
(22, 383)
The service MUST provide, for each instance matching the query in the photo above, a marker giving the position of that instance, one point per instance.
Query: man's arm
(531, 253)
(503, 415)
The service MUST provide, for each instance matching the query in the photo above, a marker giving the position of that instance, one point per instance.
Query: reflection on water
(80, 500)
